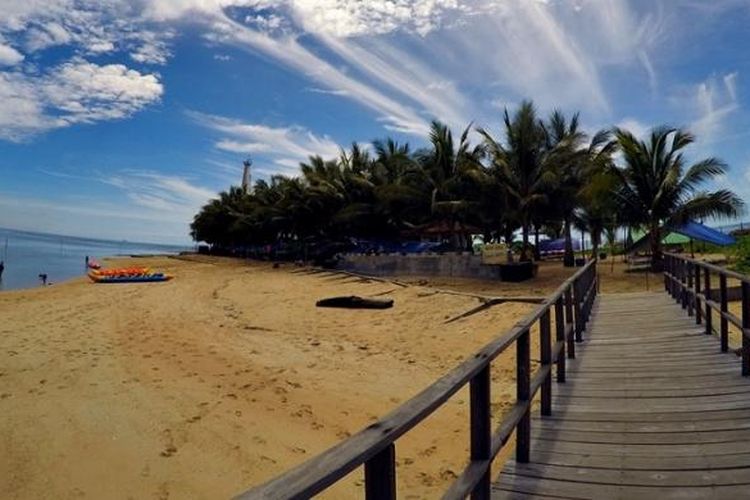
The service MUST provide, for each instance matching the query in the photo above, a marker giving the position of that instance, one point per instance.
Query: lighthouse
(246, 174)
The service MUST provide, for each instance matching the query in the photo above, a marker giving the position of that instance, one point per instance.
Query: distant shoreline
(84, 274)
(92, 238)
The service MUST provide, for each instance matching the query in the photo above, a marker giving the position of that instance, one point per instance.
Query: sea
(28, 254)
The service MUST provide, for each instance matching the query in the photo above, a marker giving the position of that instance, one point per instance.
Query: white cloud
(289, 52)
(172, 198)
(404, 74)
(93, 218)
(21, 111)
(86, 92)
(137, 204)
(9, 56)
(77, 91)
(713, 101)
(382, 53)
(343, 18)
(46, 35)
(285, 147)
(636, 127)
(152, 48)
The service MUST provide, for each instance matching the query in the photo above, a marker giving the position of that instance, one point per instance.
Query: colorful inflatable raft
(129, 278)
(122, 271)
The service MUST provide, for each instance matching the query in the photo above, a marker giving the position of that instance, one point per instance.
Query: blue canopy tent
(697, 231)
(680, 235)
(556, 247)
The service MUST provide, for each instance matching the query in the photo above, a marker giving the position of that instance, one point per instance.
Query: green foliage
(655, 186)
(741, 255)
(538, 175)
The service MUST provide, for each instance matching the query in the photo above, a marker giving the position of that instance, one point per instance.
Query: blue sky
(121, 118)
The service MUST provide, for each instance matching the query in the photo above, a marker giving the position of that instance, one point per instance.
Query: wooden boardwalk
(651, 409)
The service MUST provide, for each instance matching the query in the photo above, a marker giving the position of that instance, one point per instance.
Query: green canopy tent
(684, 234)
(640, 240)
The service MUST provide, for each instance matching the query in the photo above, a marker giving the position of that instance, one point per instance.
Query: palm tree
(657, 189)
(573, 164)
(398, 185)
(447, 169)
(520, 164)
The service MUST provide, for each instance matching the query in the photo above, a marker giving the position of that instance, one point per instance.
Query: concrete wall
(449, 264)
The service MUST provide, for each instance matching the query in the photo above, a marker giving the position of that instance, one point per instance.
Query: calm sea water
(28, 254)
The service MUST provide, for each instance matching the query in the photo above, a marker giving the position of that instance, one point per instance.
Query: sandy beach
(227, 376)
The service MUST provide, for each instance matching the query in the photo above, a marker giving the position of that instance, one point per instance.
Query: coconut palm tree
(520, 162)
(448, 171)
(574, 164)
(656, 188)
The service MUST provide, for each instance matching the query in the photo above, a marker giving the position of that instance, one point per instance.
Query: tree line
(538, 175)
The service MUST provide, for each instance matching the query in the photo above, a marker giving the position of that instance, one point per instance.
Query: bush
(741, 252)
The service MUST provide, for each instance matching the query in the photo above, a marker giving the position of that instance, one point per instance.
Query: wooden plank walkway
(651, 409)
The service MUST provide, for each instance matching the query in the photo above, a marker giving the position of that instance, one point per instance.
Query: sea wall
(453, 265)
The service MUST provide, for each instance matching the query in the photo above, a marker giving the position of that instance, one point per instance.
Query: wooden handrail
(683, 281)
(374, 447)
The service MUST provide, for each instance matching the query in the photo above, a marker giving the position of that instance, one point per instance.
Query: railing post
(577, 310)
(569, 321)
(698, 311)
(545, 355)
(683, 287)
(724, 308)
(707, 292)
(523, 392)
(691, 298)
(667, 264)
(380, 475)
(481, 431)
(560, 337)
(745, 329)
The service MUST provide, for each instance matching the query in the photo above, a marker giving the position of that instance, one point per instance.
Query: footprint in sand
(170, 449)
(428, 451)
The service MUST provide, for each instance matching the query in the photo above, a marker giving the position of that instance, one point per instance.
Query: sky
(120, 118)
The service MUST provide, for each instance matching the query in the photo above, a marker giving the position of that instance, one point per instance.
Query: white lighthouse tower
(246, 175)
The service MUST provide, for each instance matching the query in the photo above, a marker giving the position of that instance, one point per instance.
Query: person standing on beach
(43, 277)
(87, 261)
(2, 268)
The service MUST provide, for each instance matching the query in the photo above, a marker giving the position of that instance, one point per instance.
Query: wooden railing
(374, 446)
(689, 282)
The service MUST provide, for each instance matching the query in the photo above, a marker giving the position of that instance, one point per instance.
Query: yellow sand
(225, 377)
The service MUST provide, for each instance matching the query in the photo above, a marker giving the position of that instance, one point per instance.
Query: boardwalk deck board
(651, 409)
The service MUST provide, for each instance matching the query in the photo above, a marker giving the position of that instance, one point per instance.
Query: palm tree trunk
(655, 238)
(537, 255)
(569, 256)
(524, 250)
(508, 236)
(595, 242)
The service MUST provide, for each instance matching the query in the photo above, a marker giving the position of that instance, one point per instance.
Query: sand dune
(224, 377)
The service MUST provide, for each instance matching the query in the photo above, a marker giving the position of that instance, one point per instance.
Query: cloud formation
(283, 147)
(74, 92)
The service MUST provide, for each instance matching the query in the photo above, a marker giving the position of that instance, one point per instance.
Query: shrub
(741, 252)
